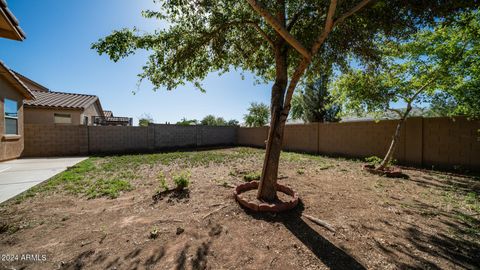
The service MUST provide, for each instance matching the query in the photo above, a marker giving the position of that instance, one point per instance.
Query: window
(61, 118)
(85, 120)
(11, 116)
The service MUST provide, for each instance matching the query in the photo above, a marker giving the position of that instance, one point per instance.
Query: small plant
(154, 233)
(252, 176)
(181, 180)
(373, 160)
(163, 181)
(300, 171)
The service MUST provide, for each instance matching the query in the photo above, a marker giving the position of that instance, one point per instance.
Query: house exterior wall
(46, 116)
(10, 148)
(36, 115)
(92, 110)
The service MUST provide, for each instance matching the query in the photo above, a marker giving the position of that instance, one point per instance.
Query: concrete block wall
(438, 142)
(442, 142)
(71, 140)
(255, 136)
(214, 136)
(173, 136)
(117, 139)
(55, 140)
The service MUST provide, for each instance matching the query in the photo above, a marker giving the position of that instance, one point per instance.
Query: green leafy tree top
(206, 36)
(437, 63)
(186, 122)
(314, 103)
(145, 120)
(258, 114)
(211, 120)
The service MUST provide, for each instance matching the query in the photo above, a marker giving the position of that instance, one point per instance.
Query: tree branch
(327, 29)
(396, 111)
(354, 10)
(300, 70)
(294, 19)
(279, 28)
(261, 32)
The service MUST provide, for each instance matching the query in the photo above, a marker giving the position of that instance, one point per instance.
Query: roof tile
(61, 100)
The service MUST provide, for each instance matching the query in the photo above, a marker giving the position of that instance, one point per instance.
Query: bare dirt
(429, 221)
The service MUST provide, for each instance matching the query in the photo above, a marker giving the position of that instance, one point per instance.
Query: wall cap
(11, 137)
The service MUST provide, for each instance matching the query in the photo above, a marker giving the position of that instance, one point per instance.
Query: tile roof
(5, 71)
(9, 23)
(33, 85)
(61, 100)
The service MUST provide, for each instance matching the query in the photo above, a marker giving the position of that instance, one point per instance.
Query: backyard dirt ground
(100, 214)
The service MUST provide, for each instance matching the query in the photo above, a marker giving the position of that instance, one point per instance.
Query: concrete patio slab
(18, 175)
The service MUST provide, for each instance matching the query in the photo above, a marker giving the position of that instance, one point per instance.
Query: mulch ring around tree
(245, 194)
(392, 172)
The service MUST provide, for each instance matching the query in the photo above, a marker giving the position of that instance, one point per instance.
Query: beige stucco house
(9, 24)
(12, 93)
(62, 108)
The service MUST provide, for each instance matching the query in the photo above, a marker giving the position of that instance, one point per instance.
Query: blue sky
(57, 54)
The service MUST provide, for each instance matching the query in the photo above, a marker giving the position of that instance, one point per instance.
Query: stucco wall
(46, 116)
(92, 110)
(439, 142)
(10, 149)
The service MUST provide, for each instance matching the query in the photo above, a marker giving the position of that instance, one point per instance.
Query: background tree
(186, 122)
(435, 64)
(314, 103)
(279, 41)
(144, 120)
(258, 114)
(211, 120)
(233, 123)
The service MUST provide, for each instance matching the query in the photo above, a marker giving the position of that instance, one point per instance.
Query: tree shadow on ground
(454, 239)
(172, 195)
(328, 253)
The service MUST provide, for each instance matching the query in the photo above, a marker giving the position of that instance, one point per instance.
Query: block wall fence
(57, 140)
(439, 142)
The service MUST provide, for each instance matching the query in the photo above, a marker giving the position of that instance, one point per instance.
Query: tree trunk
(267, 190)
(393, 146)
(396, 138)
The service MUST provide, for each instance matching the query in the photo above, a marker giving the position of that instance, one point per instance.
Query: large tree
(315, 103)
(439, 65)
(257, 116)
(211, 120)
(279, 41)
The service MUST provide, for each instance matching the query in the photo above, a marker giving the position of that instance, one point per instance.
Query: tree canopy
(145, 120)
(315, 103)
(186, 122)
(438, 64)
(257, 116)
(205, 36)
(211, 120)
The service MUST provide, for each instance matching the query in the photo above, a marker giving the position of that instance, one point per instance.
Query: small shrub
(252, 176)
(373, 160)
(300, 171)
(163, 181)
(154, 233)
(181, 180)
